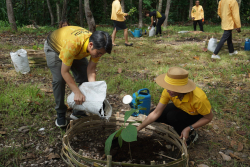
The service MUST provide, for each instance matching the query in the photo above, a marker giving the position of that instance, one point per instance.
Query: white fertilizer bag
(151, 31)
(212, 44)
(95, 96)
(20, 61)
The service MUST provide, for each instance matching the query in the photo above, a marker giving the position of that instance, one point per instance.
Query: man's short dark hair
(101, 40)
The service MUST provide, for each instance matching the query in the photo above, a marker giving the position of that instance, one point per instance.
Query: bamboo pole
(109, 160)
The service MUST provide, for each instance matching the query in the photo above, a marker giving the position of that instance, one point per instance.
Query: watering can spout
(132, 32)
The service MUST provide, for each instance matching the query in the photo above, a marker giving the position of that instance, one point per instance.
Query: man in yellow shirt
(66, 49)
(118, 18)
(197, 15)
(228, 10)
(190, 108)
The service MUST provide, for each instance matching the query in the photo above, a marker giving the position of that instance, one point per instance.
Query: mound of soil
(147, 148)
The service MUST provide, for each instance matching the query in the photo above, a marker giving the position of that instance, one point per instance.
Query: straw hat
(176, 80)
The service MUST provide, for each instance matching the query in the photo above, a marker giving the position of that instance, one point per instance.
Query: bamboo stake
(80, 153)
(109, 161)
(152, 162)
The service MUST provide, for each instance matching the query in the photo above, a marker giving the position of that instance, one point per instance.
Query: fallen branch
(166, 156)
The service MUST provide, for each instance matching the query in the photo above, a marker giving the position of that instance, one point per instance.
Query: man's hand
(238, 30)
(79, 98)
(150, 28)
(124, 18)
(185, 134)
(125, 14)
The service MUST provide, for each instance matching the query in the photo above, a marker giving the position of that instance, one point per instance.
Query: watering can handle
(143, 90)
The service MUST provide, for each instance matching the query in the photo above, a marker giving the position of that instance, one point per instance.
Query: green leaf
(128, 114)
(120, 140)
(141, 97)
(119, 132)
(130, 123)
(108, 143)
(136, 94)
(129, 134)
(142, 108)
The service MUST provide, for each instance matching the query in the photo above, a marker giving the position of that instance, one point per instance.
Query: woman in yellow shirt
(156, 17)
(190, 108)
(118, 17)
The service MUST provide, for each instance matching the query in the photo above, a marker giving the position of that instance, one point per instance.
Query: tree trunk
(81, 13)
(58, 11)
(105, 10)
(160, 6)
(64, 10)
(51, 13)
(190, 8)
(123, 6)
(140, 14)
(167, 13)
(89, 16)
(11, 15)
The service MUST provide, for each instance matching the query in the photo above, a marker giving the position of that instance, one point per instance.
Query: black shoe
(78, 114)
(61, 121)
(192, 138)
(128, 44)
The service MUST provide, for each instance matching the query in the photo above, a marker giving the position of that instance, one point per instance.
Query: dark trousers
(200, 24)
(159, 23)
(227, 36)
(177, 118)
(78, 68)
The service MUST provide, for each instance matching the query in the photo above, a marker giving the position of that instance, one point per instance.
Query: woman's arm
(152, 116)
(152, 21)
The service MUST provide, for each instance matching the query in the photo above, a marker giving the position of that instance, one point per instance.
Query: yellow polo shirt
(193, 103)
(117, 13)
(70, 43)
(158, 15)
(228, 10)
(197, 12)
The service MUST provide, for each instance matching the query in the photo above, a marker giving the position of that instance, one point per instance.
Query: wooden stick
(80, 153)
(71, 123)
(166, 156)
(109, 160)
(152, 162)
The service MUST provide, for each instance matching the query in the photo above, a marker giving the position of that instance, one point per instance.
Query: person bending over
(157, 17)
(66, 49)
(118, 18)
(190, 108)
(228, 10)
(197, 15)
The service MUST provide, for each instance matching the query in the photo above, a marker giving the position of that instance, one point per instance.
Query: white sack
(95, 95)
(183, 32)
(152, 31)
(212, 44)
(20, 61)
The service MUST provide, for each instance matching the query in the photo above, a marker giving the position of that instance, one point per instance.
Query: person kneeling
(190, 108)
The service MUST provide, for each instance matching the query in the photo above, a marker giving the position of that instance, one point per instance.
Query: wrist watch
(191, 128)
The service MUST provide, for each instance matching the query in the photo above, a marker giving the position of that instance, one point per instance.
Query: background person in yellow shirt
(228, 10)
(190, 108)
(158, 17)
(118, 18)
(197, 15)
(66, 49)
